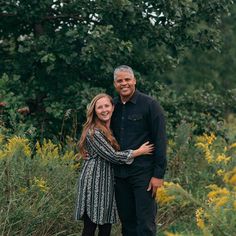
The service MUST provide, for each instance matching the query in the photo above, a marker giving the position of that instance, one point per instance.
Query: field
(39, 182)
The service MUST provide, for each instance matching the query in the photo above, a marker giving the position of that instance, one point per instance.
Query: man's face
(125, 84)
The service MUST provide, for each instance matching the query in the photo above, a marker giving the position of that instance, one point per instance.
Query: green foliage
(51, 52)
(37, 189)
(199, 67)
(203, 108)
(201, 201)
(38, 184)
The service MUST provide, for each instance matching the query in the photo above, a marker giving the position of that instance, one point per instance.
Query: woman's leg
(104, 230)
(89, 226)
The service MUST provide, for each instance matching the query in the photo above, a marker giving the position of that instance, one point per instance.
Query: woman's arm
(104, 149)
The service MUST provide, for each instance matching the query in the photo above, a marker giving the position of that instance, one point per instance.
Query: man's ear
(114, 83)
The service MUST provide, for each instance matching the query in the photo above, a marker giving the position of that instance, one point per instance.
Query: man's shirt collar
(133, 99)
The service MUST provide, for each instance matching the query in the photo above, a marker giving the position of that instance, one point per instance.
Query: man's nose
(123, 82)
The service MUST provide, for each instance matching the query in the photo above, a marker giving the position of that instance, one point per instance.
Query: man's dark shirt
(139, 120)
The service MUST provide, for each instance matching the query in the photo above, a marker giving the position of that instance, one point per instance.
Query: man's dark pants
(136, 206)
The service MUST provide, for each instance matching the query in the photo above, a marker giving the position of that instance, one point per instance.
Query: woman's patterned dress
(96, 194)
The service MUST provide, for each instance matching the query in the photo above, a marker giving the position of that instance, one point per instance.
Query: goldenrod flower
(18, 145)
(204, 142)
(218, 192)
(171, 143)
(2, 154)
(171, 234)
(218, 196)
(230, 177)
(222, 158)
(1, 138)
(41, 184)
(232, 145)
(221, 201)
(234, 205)
(48, 150)
(208, 139)
(23, 190)
(220, 172)
(162, 195)
(200, 218)
(208, 155)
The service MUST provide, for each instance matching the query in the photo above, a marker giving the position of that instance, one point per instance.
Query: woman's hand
(145, 149)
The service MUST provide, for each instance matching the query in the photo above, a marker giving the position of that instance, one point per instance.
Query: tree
(200, 67)
(52, 52)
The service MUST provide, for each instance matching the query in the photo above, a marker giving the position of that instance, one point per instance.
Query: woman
(96, 203)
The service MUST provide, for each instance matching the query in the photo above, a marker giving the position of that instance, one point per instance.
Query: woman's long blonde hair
(93, 122)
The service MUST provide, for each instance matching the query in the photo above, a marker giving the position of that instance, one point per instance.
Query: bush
(204, 108)
(38, 186)
(201, 197)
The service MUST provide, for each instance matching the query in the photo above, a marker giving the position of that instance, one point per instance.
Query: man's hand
(154, 184)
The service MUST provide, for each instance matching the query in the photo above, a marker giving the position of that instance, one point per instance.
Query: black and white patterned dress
(96, 182)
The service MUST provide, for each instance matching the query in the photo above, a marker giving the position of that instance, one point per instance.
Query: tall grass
(38, 186)
(200, 197)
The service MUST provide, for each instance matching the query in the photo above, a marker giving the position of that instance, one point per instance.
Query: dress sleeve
(104, 149)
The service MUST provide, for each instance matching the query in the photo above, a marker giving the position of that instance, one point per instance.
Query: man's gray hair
(123, 68)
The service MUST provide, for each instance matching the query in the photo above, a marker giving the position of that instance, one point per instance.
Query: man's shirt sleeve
(158, 134)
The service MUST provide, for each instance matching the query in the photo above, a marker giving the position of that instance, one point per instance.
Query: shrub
(38, 186)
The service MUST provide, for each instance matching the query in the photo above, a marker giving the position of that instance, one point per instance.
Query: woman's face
(104, 109)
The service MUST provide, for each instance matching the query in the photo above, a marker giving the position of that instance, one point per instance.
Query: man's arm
(158, 135)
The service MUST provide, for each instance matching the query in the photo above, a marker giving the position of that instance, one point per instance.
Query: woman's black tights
(90, 227)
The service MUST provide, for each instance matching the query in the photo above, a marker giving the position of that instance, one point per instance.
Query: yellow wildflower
(220, 172)
(222, 158)
(2, 154)
(41, 184)
(23, 190)
(213, 187)
(204, 142)
(208, 139)
(162, 195)
(218, 192)
(199, 218)
(171, 234)
(208, 156)
(1, 138)
(47, 150)
(171, 143)
(218, 196)
(201, 145)
(234, 205)
(232, 145)
(221, 201)
(230, 177)
(75, 166)
(18, 145)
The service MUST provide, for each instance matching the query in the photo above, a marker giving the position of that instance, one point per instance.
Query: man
(137, 118)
